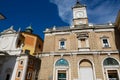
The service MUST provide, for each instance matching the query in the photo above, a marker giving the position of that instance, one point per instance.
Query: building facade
(82, 51)
(27, 63)
(17, 60)
(8, 52)
(33, 44)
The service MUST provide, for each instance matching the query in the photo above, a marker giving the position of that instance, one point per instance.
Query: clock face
(79, 14)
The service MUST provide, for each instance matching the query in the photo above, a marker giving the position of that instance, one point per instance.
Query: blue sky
(42, 14)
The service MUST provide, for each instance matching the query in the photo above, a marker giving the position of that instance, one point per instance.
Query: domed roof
(78, 4)
(29, 29)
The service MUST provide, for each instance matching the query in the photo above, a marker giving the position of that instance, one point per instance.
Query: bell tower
(79, 14)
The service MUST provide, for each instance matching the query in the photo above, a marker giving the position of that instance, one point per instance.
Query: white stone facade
(8, 52)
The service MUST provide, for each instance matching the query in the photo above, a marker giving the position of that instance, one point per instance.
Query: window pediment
(104, 37)
(62, 39)
(82, 35)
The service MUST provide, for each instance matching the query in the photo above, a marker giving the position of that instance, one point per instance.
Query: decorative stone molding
(82, 35)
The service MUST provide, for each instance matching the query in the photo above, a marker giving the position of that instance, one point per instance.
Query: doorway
(8, 77)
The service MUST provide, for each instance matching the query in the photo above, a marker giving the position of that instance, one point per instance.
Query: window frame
(27, 51)
(18, 73)
(61, 68)
(61, 78)
(112, 78)
(29, 75)
(108, 43)
(60, 46)
(21, 64)
(87, 45)
(110, 67)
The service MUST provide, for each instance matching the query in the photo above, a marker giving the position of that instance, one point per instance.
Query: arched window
(110, 61)
(112, 72)
(62, 69)
(62, 62)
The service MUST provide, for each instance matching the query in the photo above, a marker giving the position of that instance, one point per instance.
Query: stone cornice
(70, 29)
(77, 53)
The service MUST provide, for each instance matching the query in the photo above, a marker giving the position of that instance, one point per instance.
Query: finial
(54, 27)
(47, 29)
(110, 23)
(77, 2)
(11, 27)
(19, 29)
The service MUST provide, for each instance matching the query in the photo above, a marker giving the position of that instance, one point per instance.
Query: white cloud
(102, 10)
(65, 9)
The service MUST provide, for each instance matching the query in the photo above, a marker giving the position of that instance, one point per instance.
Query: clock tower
(79, 14)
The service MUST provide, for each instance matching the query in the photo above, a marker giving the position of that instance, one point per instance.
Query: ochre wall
(32, 43)
(48, 65)
(51, 42)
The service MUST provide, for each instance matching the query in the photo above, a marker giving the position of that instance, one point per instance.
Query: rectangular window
(31, 62)
(29, 75)
(27, 51)
(19, 74)
(105, 43)
(21, 62)
(62, 75)
(113, 75)
(62, 44)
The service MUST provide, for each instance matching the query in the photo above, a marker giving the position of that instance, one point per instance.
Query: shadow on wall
(117, 39)
(37, 67)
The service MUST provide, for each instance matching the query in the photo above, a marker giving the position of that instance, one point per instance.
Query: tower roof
(78, 4)
(29, 29)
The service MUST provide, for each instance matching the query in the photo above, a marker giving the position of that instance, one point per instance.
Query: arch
(86, 70)
(62, 62)
(110, 62)
(85, 63)
(110, 66)
(89, 60)
(61, 69)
